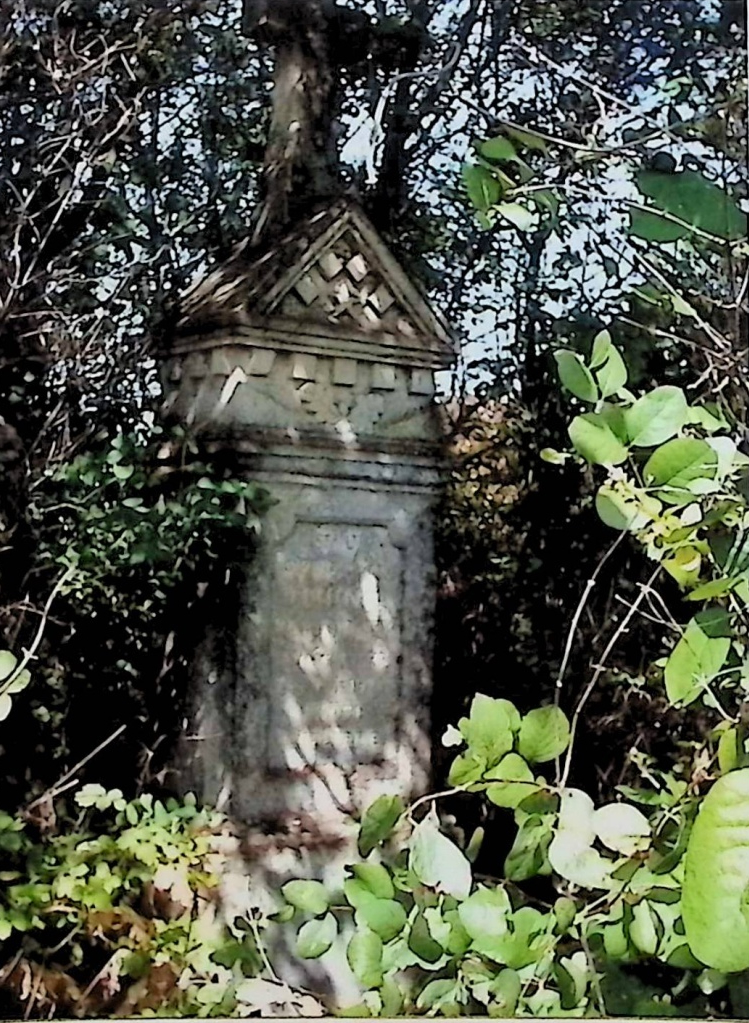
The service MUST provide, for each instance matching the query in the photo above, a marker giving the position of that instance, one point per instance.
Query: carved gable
(331, 277)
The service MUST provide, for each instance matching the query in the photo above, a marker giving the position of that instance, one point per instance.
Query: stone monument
(308, 361)
(313, 364)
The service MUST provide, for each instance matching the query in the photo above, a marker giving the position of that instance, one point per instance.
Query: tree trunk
(301, 163)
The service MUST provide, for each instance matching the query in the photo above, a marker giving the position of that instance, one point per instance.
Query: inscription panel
(335, 646)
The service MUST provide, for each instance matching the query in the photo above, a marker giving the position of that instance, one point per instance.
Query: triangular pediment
(349, 280)
(332, 276)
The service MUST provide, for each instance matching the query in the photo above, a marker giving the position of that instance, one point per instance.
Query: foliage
(133, 503)
(659, 876)
(129, 536)
(120, 913)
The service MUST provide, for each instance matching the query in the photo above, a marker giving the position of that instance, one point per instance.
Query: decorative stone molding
(312, 365)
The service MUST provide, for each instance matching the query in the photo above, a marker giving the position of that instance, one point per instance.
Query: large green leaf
(715, 903)
(316, 937)
(514, 781)
(485, 913)
(483, 188)
(675, 464)
(437, 862)
(643, 929)
(489, 728)
(570, 852)
(364, 956)
(656, 416)
(544, 734)
(595, 440)
(467, 768)
(378, 821)
(630, 511)
(527, 858)
(605, 359)
(438, 994)
(422, 943)
(688, 197)
(576, 376)
(7, 664)
(499, 148)
(386, 917)
(693, 664)
(375, 878)
(309, 896)
(622, 827)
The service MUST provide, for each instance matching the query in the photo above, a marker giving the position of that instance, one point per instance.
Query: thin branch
(600, 668)
(64, 780)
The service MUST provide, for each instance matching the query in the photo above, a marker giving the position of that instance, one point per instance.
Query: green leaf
(656, 416)
(582, 866)
(544, 734)
(6, 705)
(728, 750)
(316, 937)
(123, 472)
(438, 993)
(19, 683)
(386, 917)
(421, 942)
(506, 988)
(527, 857)
(309, 896)
(622, 828)
(364, 955)
(693, 664)
(437, 862)
(553, 456)
(7, 664)
(485, 913)
(520, 945)
(570, 852)
(691, 198)
(392, 999)
(499, 148)
(576, 376)
(643, 930)
(565, 911)
(684, 566)
(595, 440)
(378, 821)
(612, 376)
(618, 511)
(602, 346)
(713, 589)
(572, 974)
(356, 892)
(517, 215)
(675, 464)
(514, 781)
(376, 879)
(529, 139)
(482, 187)
(489, 728)
(716, 876)
(466, 769)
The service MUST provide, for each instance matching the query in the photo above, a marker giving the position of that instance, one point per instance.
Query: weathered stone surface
(316, 373)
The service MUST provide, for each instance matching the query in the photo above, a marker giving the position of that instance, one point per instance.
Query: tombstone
(312, 364)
